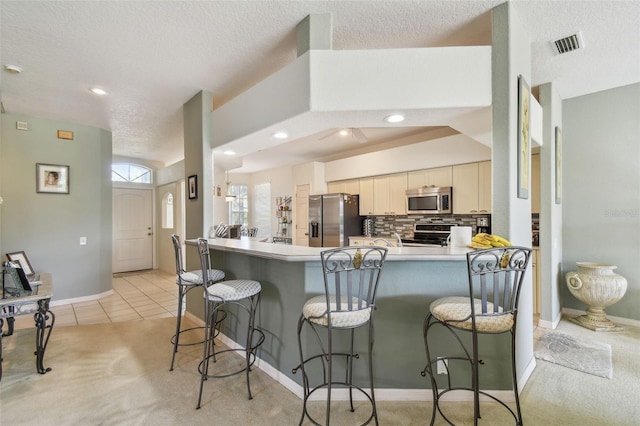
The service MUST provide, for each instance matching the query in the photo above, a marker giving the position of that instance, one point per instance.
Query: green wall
(601, 189)
(48, 227)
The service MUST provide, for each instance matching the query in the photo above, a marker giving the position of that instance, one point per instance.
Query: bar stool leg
(209, 316)
(181, 292)
(253, 305)
(373, 398)
(330, 371)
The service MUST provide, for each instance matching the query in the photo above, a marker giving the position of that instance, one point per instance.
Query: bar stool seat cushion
(456, 311)
(195, 277)
(315, 310)
(232, 290)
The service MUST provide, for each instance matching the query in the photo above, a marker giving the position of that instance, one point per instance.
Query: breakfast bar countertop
(289, 276)
(292, 253)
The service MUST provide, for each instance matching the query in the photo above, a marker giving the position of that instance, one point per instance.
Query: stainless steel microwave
(430, 200)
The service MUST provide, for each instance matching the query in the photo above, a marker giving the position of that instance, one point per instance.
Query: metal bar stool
(187, 281)
(351, 277)
(495, 278)
(243, 293)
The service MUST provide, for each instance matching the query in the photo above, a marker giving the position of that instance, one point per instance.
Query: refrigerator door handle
(314, 229)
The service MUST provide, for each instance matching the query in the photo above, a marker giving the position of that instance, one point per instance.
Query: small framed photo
(524, 138)
(192, 183)
(52, 178)
(23, 261)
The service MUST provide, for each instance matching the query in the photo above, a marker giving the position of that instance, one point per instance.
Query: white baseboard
(81, 299)
(522, 380)
(617, 320)
(550, 324)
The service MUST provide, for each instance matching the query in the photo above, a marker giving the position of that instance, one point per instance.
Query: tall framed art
(524, 138)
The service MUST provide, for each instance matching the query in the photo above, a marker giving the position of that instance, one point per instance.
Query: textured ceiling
(152, 57)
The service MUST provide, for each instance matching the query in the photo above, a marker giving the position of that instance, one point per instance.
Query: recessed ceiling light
(344, 132)
(280, 135)
(229, 152)
(13, 69)
(98, 91)
(394, 118)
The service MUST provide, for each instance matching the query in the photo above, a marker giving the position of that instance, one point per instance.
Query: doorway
(132, 229)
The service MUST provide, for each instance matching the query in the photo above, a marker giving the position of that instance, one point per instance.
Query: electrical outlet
(83, 241)
(443, 365)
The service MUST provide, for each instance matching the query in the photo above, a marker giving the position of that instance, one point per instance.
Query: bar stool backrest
(205, 260)
(177, 248)
(495, 279)
(351, 277)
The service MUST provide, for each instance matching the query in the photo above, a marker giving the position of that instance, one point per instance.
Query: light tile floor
(136, 295)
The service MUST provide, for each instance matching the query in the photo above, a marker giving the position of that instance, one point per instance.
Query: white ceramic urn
(596, 285)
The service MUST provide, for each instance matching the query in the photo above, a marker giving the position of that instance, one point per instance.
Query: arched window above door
(128, 172)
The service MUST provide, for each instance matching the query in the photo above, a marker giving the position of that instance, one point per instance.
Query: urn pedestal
(596, 285)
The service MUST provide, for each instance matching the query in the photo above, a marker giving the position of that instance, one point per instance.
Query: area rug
(576, 353)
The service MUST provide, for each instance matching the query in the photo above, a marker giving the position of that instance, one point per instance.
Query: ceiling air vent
(568, 44)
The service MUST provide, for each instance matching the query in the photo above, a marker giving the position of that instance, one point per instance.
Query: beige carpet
(117, 374)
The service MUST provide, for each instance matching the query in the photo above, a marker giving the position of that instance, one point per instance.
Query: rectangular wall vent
(568, 44)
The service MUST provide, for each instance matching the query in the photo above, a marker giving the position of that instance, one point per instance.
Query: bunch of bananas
(482, 240)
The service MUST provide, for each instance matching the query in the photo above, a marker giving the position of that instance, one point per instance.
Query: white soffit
(332, 89)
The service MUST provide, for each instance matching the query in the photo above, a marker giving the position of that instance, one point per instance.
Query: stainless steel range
(429, 234)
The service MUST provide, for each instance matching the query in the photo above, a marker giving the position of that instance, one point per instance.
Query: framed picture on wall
(192, 183)
(558, 165)
(524, 138)
(52, 178)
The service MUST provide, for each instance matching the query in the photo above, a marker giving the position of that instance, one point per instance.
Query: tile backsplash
(386, 225)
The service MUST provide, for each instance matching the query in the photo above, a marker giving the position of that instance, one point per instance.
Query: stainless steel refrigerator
(333, 218)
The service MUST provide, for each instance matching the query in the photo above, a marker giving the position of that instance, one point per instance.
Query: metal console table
(35, 302)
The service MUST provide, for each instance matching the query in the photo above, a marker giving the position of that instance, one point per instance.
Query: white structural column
(511, 216)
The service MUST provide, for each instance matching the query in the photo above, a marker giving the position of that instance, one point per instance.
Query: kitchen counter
(412, 278)
(292, 253)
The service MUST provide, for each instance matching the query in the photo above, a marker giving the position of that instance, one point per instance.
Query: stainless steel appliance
(429, 234)
(430, 200)
(332, 219)
(483, 224)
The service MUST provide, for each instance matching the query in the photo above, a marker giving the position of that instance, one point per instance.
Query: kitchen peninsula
(411, 279)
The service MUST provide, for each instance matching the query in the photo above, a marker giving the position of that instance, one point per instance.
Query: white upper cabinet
(472, 188)
(350, 186)
(484, 187)
(383, 195)
(440, 176)
(366, 196)
(386, 194)
(465, 188)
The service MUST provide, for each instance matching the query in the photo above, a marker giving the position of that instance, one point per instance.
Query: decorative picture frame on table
(52, 178)
(558, 165)
(192, 184)
(23, 261)
(524, 138)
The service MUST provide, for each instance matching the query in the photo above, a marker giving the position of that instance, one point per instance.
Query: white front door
(132, 229)
(302, 215)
